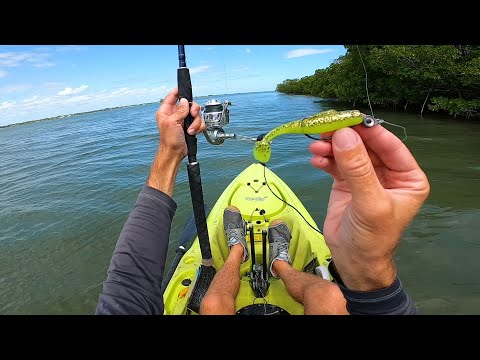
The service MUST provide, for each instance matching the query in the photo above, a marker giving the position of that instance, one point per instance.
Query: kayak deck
(259, 207)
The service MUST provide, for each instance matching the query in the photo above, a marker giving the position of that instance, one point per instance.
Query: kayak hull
(253, 193)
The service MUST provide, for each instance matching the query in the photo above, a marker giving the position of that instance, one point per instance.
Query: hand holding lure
(326, 121)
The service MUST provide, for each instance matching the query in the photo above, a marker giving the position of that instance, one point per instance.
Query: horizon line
(117, 107)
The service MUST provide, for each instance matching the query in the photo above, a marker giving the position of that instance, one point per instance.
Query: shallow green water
(67, 186)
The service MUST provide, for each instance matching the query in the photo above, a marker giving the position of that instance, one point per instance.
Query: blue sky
(45, 81)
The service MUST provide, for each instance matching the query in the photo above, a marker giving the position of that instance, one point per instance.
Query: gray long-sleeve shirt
(134, 279)
(133, 284)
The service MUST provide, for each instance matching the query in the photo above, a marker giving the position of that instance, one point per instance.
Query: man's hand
(170, 120)
(172, 148)
(378, 189)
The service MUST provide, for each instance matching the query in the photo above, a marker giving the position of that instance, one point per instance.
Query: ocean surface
(67, 186)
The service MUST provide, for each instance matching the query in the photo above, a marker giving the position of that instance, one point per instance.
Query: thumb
(356, 167)
(183, 108)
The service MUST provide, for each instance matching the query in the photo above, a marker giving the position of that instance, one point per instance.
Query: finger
(324, 149)
(356, 168)
(181, 111)
(389, 148)
(194, 109)
(168, 104)
(203, 126)
(171, 98)
(321, 148)
(326, 134)
(374, 157)
(197, 126)
(328, 165)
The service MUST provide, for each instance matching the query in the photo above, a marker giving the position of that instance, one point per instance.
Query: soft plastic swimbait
(326, 121)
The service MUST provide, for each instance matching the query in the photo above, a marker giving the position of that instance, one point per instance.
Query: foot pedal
(201, 286)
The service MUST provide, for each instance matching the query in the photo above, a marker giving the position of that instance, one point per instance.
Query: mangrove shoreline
(420, 78)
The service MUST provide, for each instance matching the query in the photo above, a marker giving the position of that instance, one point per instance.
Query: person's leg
(222, 292)
(318, 296)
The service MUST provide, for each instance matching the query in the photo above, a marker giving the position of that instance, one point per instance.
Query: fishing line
(370, 103)
(366, 81)
(400, 126)
(279, 198)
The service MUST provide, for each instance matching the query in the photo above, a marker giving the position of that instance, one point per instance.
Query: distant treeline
(80, 113)
(419, 77)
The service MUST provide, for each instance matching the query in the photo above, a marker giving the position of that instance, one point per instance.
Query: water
(67, 186)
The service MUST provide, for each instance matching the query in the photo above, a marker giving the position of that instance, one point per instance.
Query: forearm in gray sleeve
(134, 279)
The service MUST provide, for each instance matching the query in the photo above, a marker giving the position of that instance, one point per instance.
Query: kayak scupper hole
(255, 180)
(258, 222)
(186, 282)
(248, 184)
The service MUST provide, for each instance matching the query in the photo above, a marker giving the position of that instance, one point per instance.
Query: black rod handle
(199, 211)
(185, 91)
(184, 84)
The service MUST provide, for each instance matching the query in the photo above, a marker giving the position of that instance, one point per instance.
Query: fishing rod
(189, 233)
(193, 166)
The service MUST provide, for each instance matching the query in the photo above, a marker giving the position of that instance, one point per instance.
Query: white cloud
(44, 64)
(3, 73)
(11, 58)
(120, 92)
(8, 89)
(37, 107)
(244, 51)
(36, 100)
(70, 91)
(40, 57)
(6, 105)
(29, 100)
(199, 69)
(53, 84)
(306, 52)
(34, 58)
(82, 99)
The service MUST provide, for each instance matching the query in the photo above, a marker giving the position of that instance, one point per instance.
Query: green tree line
(418, 77)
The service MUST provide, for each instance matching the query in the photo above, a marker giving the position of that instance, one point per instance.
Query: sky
(37, 82)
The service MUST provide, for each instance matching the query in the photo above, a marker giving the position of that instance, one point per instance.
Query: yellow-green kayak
(259, 206)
